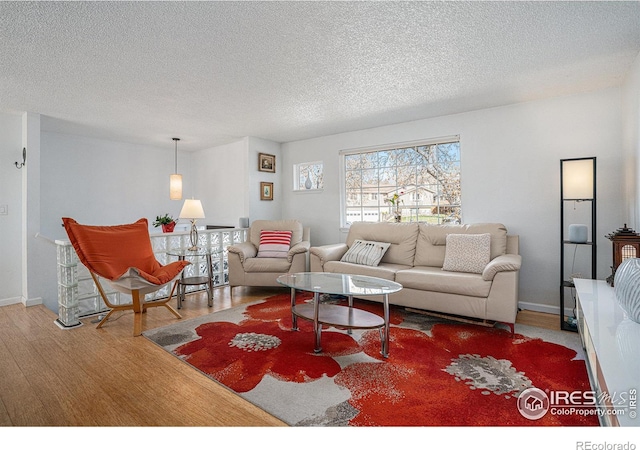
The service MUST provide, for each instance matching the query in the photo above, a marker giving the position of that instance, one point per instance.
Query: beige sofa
(416, 258)
(246, 268)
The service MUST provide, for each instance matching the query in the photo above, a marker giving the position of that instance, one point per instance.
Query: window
(425, 176)
(308, 176)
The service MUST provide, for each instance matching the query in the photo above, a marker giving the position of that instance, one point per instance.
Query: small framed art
(266, 191)
(266, 163)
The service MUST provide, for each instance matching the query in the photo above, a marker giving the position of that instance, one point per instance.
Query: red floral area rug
(438, 373)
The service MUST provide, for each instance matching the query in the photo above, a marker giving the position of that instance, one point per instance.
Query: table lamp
(192, 210)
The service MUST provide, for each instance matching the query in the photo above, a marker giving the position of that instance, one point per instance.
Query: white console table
(612, 346)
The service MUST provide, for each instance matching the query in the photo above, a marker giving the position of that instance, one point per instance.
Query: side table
(182, 254)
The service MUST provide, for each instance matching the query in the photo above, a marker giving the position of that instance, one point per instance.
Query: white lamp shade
(577, 179)
(192, 209)
(175, 186)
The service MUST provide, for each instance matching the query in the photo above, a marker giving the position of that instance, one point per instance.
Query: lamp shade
(175, 186)
(577, 179)
(192, 209)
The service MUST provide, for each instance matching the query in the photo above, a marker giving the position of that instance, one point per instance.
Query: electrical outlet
(4, 210)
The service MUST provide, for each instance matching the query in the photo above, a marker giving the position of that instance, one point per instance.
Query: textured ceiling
(212, 72)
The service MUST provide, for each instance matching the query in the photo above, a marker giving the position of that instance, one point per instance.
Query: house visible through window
(425, 177)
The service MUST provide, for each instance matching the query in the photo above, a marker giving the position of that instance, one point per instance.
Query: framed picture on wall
(266, 191)
(266, 163)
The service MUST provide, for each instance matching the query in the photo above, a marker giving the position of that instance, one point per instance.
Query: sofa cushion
(384, 270)
(401, 236)
(467, 252)
(436, 280)
(430, 248)
(274, 243)
(368, 253)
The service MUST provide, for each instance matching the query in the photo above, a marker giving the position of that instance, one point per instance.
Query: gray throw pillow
(467, 252)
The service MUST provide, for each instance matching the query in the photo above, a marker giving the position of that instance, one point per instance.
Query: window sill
(307, 191)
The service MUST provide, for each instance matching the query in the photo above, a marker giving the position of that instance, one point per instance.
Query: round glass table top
(338, 283)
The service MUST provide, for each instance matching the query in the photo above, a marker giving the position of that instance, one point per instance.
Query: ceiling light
(175, 180)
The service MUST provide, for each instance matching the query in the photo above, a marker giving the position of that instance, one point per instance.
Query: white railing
(78, 295)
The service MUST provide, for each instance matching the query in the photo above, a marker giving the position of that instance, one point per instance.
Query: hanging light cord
(176, 141)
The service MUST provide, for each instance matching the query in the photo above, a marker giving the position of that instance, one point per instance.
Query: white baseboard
(33, 301)
(549, 309)
(14, 300)
(10, 301)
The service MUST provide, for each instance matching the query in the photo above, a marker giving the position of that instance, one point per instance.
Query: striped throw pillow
(274, 244)
(368, 253)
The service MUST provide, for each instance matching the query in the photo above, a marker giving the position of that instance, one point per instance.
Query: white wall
(221, 182)
(510, 174)
(106, 182)
(11, 196)
(266, 209)
(228, 181)
(631, 143)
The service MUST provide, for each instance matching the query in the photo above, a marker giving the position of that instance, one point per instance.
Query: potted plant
(167, 223)
(396, 201)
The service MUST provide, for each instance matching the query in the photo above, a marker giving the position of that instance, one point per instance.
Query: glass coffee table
(340, 316)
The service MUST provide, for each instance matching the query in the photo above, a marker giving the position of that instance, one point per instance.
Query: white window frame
(344, 226)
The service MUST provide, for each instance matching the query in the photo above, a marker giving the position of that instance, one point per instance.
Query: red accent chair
(122, 254)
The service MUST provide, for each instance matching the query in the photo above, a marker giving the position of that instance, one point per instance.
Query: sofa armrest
(300, 247)
(243, 250)
(502, 263)
(331, 252)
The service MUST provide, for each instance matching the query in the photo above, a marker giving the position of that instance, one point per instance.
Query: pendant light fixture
(175, 180)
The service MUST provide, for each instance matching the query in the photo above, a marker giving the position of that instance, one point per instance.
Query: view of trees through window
(417, 183)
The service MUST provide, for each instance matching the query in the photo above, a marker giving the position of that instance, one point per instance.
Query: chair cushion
(268, 265)
(274, 243)
(364, 252)
(110, 251)
(467, 252)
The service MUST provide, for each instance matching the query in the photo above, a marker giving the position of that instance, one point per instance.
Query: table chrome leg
(180, 286)
(350, 330)
(294, 318)
(317, 326)
(385, 342)
(210, 284)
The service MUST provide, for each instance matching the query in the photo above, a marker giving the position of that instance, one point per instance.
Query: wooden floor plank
(19, 397)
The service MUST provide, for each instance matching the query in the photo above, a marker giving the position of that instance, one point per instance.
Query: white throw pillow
(467, 252)
(274, 244)
(368, 253)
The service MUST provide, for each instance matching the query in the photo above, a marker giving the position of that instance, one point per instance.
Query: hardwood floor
(106, 377)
